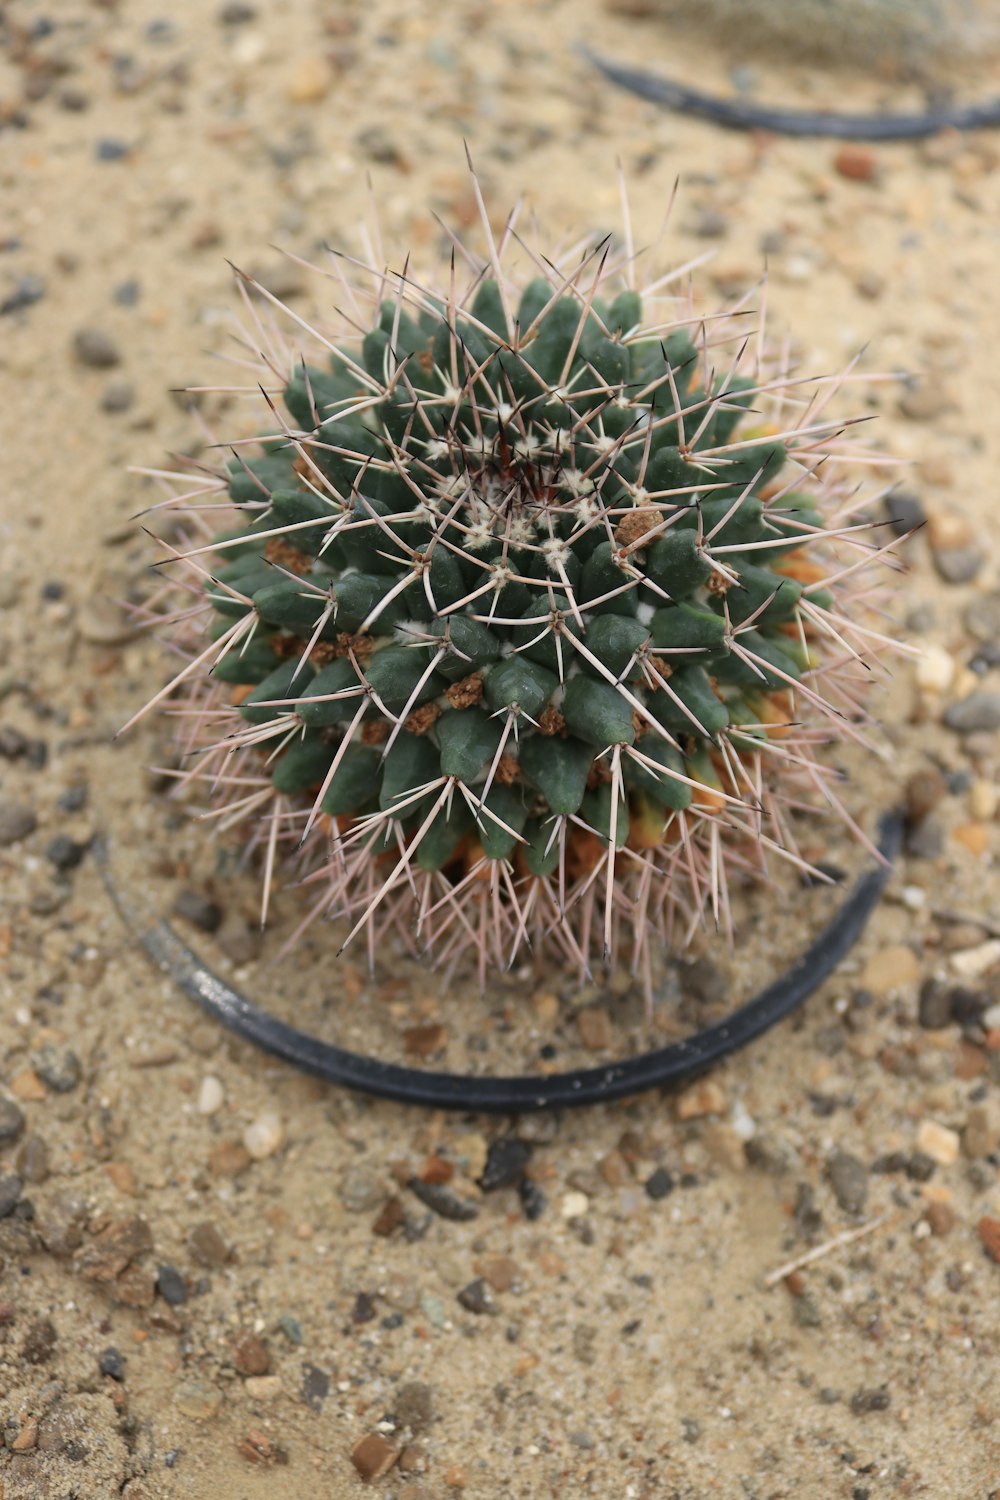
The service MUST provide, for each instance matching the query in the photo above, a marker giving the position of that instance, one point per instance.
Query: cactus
(531, 617)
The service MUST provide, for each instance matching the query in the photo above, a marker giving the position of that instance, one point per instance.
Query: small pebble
(574, 1205)
(127, 293)
(13, 744)
(413, 1406)
(27, 290)
(110, 149)
(506, 1161)
(704, 1097)
(309, 80)
(198, 909)
(979, 711)
(236, 13)
(938, 1142)
(444, 1201)
(112, 1362)
(903, 511)
(264, 1136)
(171, 1285)
(32, 1160)
(360, 1190)
(100, 621)
(198, 1400)
(58, 1067)
(848, 1178)
(16, 822)
(373, 1456)
(63, 852)
(982, 618)
(118, 395)
(96, 349)
(659, 1185)
(73, 799)
(11, 1120)
(207, 1245)
(250, 1356)
(477, 1297)
(315, 1387)
(934, 1005)
(10, 1192)
(856, 163)
(211, 1096)
(935, 669)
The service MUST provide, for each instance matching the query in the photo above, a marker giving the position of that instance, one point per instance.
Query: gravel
(17, 821)
(65, 853)
(11, 1120)
(848, 1178)
(96, 349)
(59, 1067)
(980, 710)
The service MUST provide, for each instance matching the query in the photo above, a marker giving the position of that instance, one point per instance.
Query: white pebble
(973, 963)
(914, 897)
(210, 1096)
(574, 1205)
(938, 1142)
(743, 1124)
(264, 1137)
(935, 669)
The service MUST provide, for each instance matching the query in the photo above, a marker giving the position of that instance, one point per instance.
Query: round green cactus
(529, 623)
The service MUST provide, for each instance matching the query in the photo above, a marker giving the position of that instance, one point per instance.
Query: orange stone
(989, 1233)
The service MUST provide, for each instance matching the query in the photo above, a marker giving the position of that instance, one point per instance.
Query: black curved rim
(739, 114)
(519, 1094)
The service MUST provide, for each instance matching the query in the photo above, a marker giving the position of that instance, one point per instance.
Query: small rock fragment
(506, 1162)
(309, 80)
(199, 910)
(373, 1456)
(112, 1362)
(659, 1185)
(198, 1400)
(16, 822)
(444, 1201)
(250, 1356)
(848, 1178)
(211, 1096)
(171, 1285)
(207, 1245)
(856, 163)
(360, 1190)
(981, 1136)
(979, 711)
(704, 1097)
(934, 1005)
(58, 1067)
(938, 1142)
(595, 1028)
(10, 1192)
(477, 1297)
(96, 349)
(11, 1120)
(414, 1405)
(264, 1136)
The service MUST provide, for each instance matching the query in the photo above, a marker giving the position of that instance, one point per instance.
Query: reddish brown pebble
(924, 790)
(437, 1169)
(989, 1233)
(373, 1456)
(7, 1313)
(257, 1448)
(424, 1041)
(389, 1217)
(250, 1355)
(941, 1218)
(856, 163)
(796, 1283)
(228, 1159)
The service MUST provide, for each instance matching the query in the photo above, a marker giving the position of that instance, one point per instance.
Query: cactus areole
(539, 604)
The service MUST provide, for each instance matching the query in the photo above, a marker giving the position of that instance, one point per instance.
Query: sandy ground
(623, 1342)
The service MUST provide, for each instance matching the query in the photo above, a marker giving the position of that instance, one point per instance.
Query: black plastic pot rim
(673, 1064)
